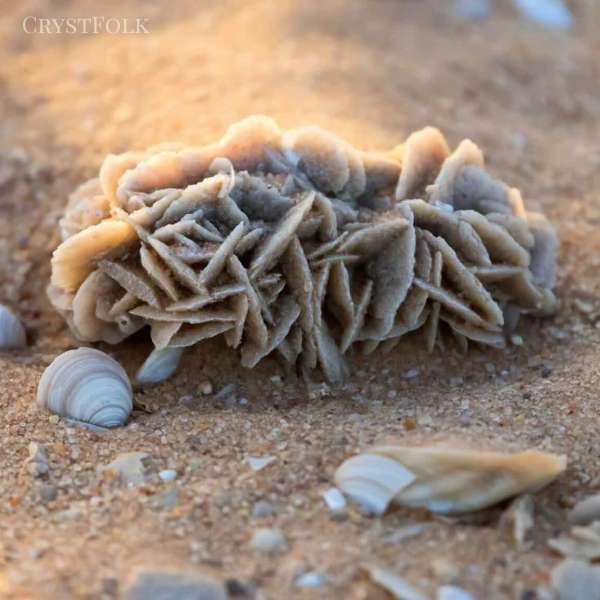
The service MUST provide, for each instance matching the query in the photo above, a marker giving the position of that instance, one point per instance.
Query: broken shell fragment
(520, 517)
(12, 332)
(582, 543)
(398, 587)
(443, 479)
(296, 244)
(86, 385)
(372, 481)
(159, 366)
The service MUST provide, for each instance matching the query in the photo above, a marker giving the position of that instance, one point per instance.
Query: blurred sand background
(372, 71)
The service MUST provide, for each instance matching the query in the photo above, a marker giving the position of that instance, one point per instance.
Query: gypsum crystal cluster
(295, 242)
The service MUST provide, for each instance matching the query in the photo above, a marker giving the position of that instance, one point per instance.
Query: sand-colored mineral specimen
(295, 242)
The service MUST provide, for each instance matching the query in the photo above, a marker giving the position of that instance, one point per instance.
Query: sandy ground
(373, 72)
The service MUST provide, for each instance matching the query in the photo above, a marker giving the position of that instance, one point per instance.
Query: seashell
(86, 385)
(12, 332)
(159, 365)
(582, 543)
(443, 479)
(372, 481)
(398, 587)
(297, 244)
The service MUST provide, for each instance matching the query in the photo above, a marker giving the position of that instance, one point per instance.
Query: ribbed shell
(86, 385)
(297, 243)
(444, 479)
(12, 332)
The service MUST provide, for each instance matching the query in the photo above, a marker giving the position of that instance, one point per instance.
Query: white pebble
(269, 541)
(168, 475)
(311, 579)
(586, 511)
(551, 14)
(205, 388)
(516, 340)
(257, 463)
(410, 374)
(451, 592)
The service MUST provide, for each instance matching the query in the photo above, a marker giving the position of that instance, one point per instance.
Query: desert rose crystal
(297, 243)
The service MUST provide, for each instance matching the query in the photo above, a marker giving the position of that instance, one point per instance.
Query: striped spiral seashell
(12, 333)
(86, 385)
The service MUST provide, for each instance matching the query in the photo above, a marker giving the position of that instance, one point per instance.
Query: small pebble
(258, 463)
(410, 374)
(48, 493)
(205, 388)
(398, 587)
(131, 467)
(168, 475)
(585, 511)
(37, 463)
(187, 401)
(404, 533)
(558, 334)
(263, 509)
(516, 340)
(424, 420)
(311, 579)
(174, 586)
(37, 453)
(451, 592)
(226, 391)
(409, 424)
(583, 306)
(37, 469)
(576, 580)
(269, 541)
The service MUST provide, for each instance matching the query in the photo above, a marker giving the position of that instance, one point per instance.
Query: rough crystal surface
(295, 242)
